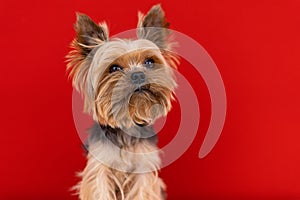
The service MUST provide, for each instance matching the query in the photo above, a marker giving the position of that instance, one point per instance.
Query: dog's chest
(121, 151)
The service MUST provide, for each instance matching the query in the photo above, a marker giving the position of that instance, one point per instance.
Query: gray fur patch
(119, 137)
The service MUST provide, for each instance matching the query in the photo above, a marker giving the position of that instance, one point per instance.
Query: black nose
(138, 77)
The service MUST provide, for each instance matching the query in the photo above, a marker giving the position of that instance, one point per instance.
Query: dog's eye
(149, 63)
(115, 68)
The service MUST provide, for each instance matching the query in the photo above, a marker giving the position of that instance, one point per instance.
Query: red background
(256, 47)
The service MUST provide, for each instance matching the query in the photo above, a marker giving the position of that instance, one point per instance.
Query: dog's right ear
(89, 34)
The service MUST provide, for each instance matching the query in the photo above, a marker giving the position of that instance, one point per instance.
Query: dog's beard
(149, 102)
(122, 104)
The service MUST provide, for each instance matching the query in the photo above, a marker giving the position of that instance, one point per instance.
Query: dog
(126, 85)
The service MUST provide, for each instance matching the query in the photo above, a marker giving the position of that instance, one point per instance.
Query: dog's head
(125, 82)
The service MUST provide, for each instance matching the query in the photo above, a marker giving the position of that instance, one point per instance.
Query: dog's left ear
(154, 27)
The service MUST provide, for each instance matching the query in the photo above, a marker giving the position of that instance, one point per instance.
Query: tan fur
(129, 171)
(100, 182)
(113, 105)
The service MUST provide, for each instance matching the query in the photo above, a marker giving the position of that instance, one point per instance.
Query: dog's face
(124, 82)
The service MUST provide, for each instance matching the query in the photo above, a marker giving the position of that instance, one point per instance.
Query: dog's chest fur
(133, 150)
(122, 166)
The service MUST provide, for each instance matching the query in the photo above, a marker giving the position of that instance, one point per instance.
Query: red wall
(256, 47)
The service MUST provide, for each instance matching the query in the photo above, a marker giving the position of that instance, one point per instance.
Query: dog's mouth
(143, 88)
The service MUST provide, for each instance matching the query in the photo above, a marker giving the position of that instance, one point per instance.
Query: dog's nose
(138, 77)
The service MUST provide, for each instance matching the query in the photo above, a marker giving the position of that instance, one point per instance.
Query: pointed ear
(154, 27)
(89, 34)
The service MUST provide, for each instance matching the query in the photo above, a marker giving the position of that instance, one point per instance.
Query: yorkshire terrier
(126, 85)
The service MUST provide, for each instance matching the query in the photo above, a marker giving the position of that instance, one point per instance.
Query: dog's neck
(121, 137)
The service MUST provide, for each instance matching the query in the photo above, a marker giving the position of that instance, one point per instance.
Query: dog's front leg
(146, 186)
(97, 182)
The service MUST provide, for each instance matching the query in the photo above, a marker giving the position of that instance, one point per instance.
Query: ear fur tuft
(89, 36)
(154, 27)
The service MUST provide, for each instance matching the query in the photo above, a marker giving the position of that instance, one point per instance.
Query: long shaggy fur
(134, 163)
(123, 160)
